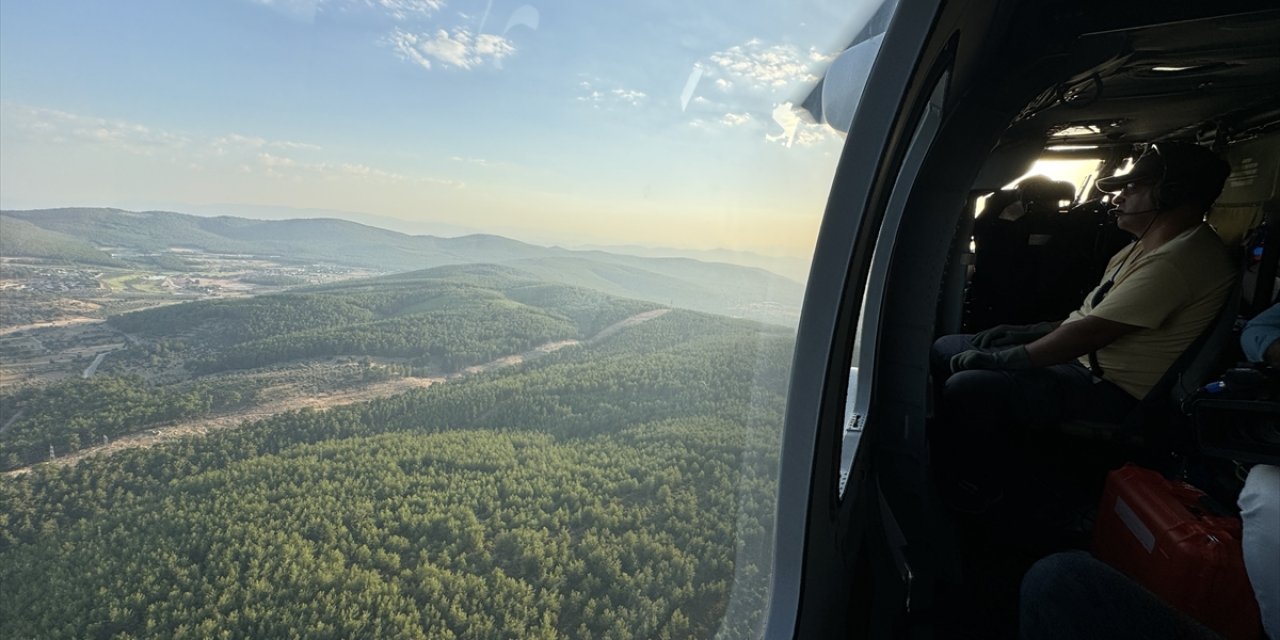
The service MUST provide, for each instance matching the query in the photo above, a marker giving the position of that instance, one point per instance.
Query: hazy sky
(653, 122)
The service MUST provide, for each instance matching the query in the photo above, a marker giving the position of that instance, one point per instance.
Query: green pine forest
(77, 413)
(446, 318)
(620, 488)
(438, 322)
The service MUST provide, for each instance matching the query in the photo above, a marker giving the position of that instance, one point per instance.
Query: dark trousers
(980, 413)
(1073, 595)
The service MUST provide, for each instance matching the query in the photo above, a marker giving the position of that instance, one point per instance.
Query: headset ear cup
(1170, 195)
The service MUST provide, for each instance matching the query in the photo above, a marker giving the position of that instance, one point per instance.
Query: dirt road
(203, 426)
(45, 325)
(93, 367)
(9, 423)
(629, 322)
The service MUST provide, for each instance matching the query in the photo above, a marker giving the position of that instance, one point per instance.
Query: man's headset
(1167, 193)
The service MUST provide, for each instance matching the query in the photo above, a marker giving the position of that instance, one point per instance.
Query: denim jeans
(981, 412)
(1073, 595)
(1260, 512)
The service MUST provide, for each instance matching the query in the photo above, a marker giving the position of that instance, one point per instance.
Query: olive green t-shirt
(1172, 293)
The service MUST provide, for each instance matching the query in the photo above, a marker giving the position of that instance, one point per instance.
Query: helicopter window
(405, 318)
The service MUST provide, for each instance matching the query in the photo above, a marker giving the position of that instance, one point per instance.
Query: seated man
(1157, 295)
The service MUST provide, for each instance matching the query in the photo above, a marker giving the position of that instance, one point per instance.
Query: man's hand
(1008, 335)
(1007, 360)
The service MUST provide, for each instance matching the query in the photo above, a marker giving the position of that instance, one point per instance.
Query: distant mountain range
(266, 212)
(110, 236)
(791, 267)
(794, 268)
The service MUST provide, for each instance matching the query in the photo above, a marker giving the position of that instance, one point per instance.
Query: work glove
(1008, 335)
(1011, 359)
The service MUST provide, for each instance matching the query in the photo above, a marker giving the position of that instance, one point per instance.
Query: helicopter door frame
(821, 546)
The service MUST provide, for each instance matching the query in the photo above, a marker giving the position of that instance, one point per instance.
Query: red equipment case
(1156, 531)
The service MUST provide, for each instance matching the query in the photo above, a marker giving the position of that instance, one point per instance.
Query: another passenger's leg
(1073, 595)
(1260, 510)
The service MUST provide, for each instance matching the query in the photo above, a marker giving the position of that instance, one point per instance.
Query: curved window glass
(405, 318)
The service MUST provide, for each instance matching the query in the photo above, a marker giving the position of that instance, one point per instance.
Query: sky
(654, 122)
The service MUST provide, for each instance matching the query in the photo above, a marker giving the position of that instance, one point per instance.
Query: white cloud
(406, 9)
(288, 168)
(273, 161)
(406, 45)
(237, 140)
(808, 135)
(628, 96)
(766, 66)
(61, 127)
(736, 84)
(459, 48)
(230, 151)
(56, 126)
(302, 10)
(599, 96)
(361, 171)
(796, 131)
(306, 10)
(300, 146)
(445, 182)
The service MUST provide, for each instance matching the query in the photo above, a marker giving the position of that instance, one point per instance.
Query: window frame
(809, 583)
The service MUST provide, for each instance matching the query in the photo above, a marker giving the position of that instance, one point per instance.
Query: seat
(1027, 257)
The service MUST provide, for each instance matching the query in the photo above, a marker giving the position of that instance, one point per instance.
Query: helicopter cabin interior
(1176, 82)
(996, 89)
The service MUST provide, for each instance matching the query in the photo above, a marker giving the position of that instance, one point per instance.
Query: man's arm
(1075, 339)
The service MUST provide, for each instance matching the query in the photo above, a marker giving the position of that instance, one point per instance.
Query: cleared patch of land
(52, 324)
(204, 426)
(292, 390)
(44, 293)
(45, 352)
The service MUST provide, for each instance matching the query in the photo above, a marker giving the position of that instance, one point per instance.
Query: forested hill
(619, 490)
(84, 235)
(441, 320)
(19, 237)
